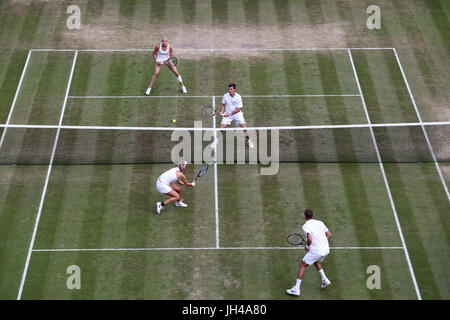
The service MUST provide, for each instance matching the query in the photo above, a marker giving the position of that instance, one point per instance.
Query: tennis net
(115, 145)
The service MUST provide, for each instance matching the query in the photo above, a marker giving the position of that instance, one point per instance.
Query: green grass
(112, 206)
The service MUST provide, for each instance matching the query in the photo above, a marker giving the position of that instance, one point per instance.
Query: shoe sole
(292, 294)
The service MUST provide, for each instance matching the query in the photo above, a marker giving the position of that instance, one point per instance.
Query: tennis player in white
(165, 184)
(232, 104)
(317, 235)
(161, 54)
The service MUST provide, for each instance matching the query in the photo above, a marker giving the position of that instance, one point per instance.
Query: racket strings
(208, 111)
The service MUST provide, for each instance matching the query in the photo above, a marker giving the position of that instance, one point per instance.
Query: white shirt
(162, 55)
(319, 244)
(232, 103)
(169, 176)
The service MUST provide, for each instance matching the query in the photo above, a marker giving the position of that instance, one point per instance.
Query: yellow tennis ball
(174, 120)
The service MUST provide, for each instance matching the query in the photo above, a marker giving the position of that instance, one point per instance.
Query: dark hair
(232, 85)
(308, 213)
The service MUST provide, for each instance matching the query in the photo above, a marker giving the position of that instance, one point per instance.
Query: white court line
(15, 98)
(216, 188)
(209, 248)
(213, 49)
(405, 249)
(243, 96)
(44, 191)
(330, 126)
(423, 128)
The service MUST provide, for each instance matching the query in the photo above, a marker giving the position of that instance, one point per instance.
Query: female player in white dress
(161, 54)
(166, 185)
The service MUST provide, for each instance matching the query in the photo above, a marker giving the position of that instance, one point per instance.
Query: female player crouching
(166, 185)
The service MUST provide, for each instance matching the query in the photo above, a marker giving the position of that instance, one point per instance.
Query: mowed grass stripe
(239, 200)
(424, 60)
(20, 189)
(225, 282)
(394, 102)
(428, 76)
(188, 11)
(364, 224)
(374, 98)
(292, 67)
(423, 211)
(355, 192)
(14, 64)
(440, 20)
(42, 93)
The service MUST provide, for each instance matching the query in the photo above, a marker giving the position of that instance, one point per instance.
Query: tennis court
(82, 146)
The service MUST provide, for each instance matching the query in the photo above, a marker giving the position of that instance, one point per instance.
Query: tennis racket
(208, 111)
(295, 239)
(202, 171)
(174, 61)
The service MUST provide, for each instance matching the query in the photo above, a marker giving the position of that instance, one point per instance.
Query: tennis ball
(174, 120)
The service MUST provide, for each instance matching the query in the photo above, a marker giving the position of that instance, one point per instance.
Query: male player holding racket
(162, 53)
(317, 249)
(166, 185)
(232, 104)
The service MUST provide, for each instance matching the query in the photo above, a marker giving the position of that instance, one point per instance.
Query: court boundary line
(44, 191)
(207, 248)
(216, 187)
(16, 95)
(430, 147)
(388, 189)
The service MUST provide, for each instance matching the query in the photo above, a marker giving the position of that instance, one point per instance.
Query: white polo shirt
(232, 103)
(317, 229)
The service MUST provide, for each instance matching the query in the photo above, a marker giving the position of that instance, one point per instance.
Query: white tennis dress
(165, 179)
(161, 55)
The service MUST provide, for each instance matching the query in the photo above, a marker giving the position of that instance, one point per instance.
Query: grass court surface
(320, 66)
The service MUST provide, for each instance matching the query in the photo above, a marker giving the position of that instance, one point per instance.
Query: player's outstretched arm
(183, 179)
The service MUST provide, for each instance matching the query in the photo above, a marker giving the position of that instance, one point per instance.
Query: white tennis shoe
(148, 91)
(325, 283)
(183, 88)
(250, 144)
(180, 204)
(159, 207)
(294, 291)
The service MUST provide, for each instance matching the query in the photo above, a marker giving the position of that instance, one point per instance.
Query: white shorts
(238, 117)
(162, 187)
(310, 258)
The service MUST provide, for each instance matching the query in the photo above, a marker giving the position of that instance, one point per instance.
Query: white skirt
(162, 187)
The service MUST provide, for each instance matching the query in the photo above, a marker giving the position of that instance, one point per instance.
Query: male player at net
(317, 248)
(232, 104)
(162, 53)
(166, 185)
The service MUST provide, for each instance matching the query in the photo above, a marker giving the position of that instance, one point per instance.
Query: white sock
(322, 274)
(179, 79)
(297, 284)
